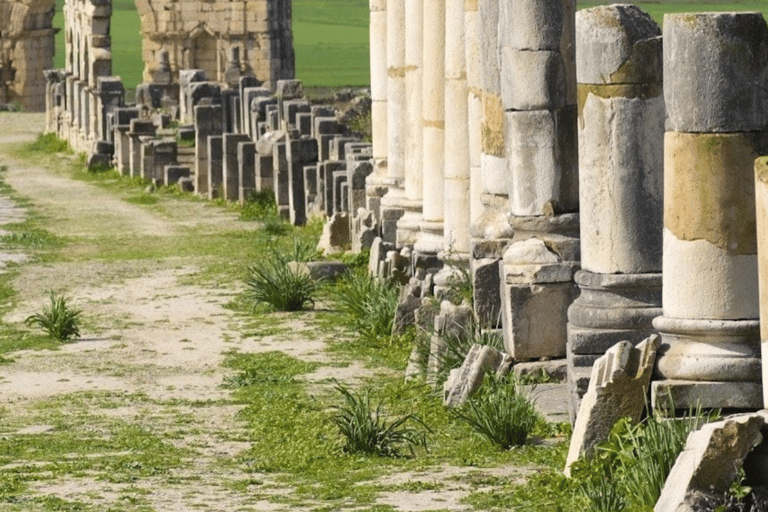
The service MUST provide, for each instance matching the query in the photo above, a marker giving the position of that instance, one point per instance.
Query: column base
(689, 394)
(408, 226)
(430, 238)
(711, 363)
(610, 309)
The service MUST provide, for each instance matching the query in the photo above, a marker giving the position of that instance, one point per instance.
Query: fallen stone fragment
(617, 389)
(709, 463)
(467, 379)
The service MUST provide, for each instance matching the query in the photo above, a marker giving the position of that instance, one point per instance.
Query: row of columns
(553, 185)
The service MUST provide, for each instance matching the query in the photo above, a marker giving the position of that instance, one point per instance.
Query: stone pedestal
(716, 118)
(621, 151)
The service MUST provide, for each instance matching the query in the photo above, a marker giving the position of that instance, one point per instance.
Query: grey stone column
(430, 239)
(714, 74)
(375, 186)
(621, 173)
(538, 84)
(391, 203)
(490, 229)
(408, 225)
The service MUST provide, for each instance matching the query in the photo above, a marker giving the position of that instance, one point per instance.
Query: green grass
(658, 9)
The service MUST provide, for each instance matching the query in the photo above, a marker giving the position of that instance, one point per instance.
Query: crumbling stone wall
(26, 49)
(202, 34)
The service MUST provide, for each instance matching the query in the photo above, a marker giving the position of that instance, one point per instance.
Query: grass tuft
(366, 429)
(367, 305)
(59, 321)
(500, 413)
(281, 281)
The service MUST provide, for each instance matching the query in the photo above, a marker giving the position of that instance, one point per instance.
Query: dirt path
(134, 413)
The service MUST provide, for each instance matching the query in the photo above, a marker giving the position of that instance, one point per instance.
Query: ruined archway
(26, 50)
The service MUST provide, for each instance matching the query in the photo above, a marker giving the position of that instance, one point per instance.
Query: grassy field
(331, 36)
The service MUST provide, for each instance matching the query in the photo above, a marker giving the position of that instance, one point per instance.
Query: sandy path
(153, 356)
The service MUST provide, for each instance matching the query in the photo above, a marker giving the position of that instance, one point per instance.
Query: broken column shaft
(713, 65)
(538, 91)
(621, 165)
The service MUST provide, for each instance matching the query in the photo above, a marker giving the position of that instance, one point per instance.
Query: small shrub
(367, 305)
(280, 283)
(49, 143)
(366, 430)
(500, 413)
(59, 321)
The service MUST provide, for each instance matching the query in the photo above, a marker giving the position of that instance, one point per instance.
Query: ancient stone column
(430, 239)
(457, 198)
(408, 225)
(375, 186)
(474, 103)
(621, 173)
(714, 75)
(761, 206)
(538, 92)
(490, 229)
(391, 203)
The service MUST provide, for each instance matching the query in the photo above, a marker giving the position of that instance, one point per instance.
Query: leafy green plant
(58, 320)
(500, 413)
(281, 281)
(367, 305)
(366, 429)
(260, 205)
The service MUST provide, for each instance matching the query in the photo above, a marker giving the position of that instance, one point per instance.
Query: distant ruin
(26, 49)
(195, 35)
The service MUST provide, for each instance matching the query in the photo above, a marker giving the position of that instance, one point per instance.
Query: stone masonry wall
(201, 35)
(26, 49)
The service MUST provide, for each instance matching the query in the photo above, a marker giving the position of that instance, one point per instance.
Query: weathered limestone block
(617, 389)
(409, 302)
(335, 237)
(230, 166)
(542, 160)
(139, 128)
(175, 173)
(246, 170)
(207, 123)
(466, 380)
(711, 63)
(215, 161)
(708, 464)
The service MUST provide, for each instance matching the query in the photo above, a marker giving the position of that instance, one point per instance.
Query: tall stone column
(375, 186)
(391, 203)
(430, 238)
(761, 206)
(457, 197)
(621, 173)
(473, 56)
(490, 229)
(538, 84)
(714, 75)
(408, 225)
